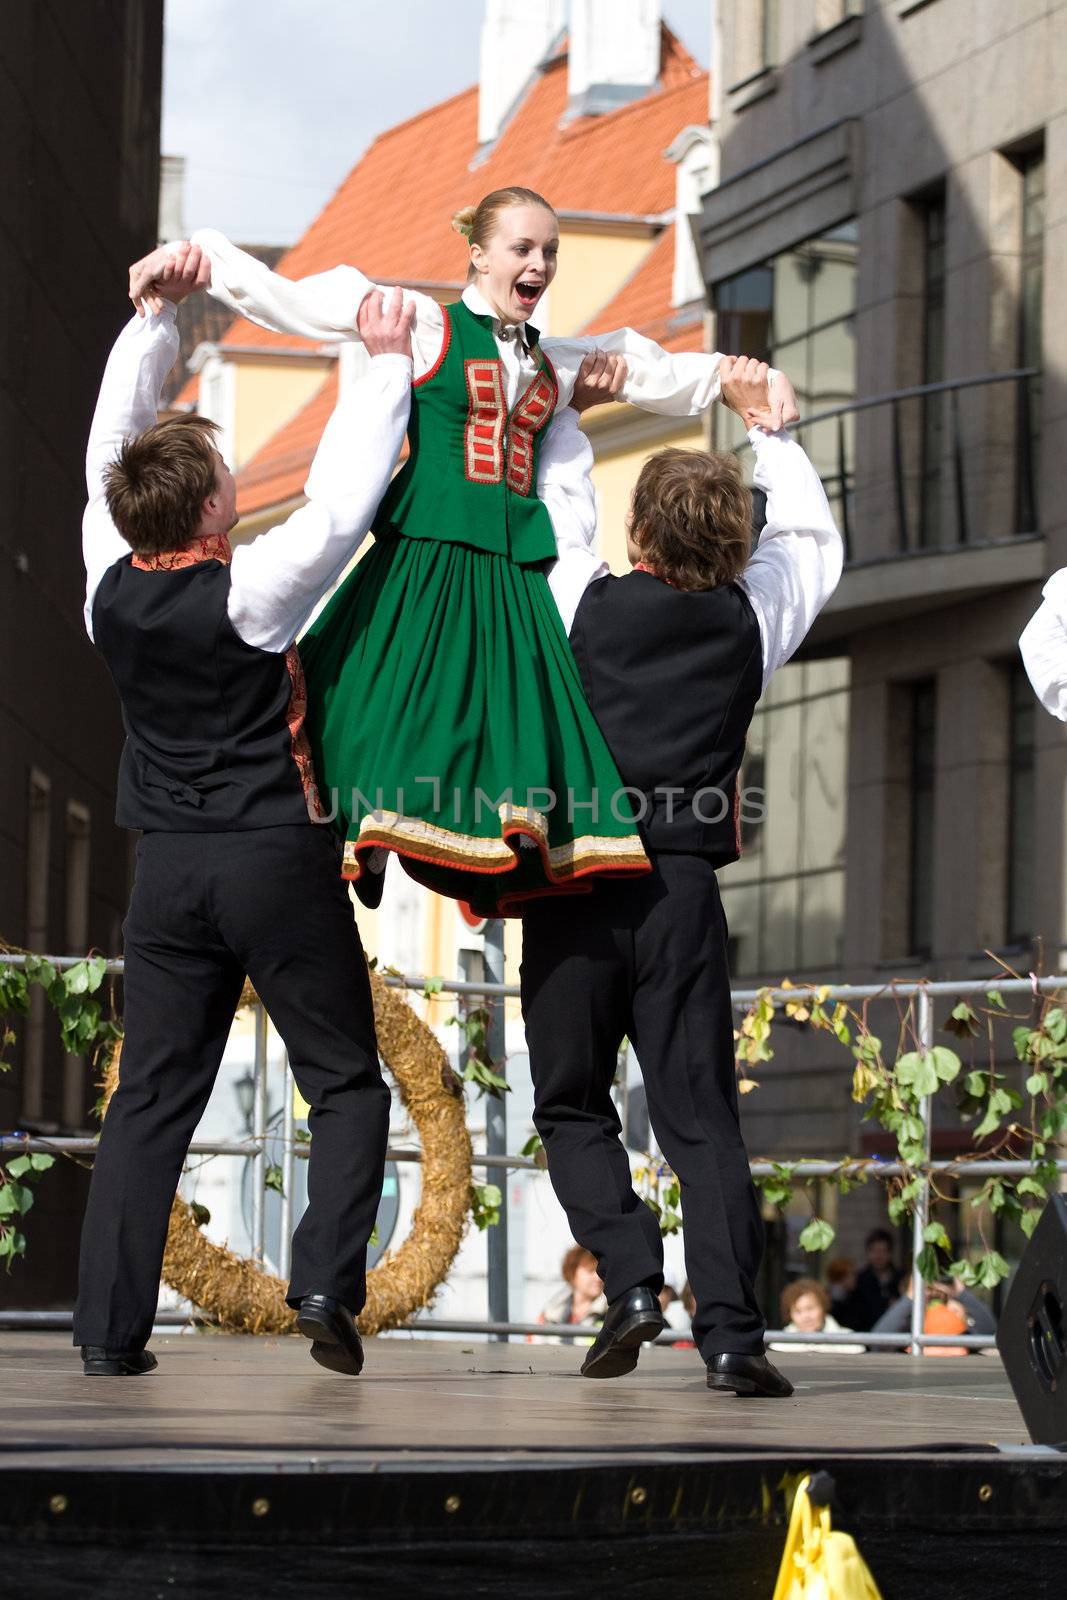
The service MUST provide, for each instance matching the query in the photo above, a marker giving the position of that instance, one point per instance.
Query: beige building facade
(891, 215)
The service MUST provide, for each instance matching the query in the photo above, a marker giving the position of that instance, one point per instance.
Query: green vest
(471, 477)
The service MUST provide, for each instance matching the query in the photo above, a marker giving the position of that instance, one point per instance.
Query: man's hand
(169, 273)
(784, 408)
(600, 377)
(385, 326)
(744, 390)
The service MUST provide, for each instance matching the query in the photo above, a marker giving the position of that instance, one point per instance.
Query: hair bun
(463, 221)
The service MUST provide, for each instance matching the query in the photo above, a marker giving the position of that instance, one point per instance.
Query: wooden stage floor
(223, 1399)
(494, 1472)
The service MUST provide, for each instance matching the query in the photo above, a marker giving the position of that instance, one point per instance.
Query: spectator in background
(950, 1309)
(876, 1283)
(678, 1310)
(581, 1299)
(841, 1282)
(806, 1309)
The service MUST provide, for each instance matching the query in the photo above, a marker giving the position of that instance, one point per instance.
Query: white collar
(475, 301)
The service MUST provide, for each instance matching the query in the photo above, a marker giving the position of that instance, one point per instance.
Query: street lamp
(245, 1090)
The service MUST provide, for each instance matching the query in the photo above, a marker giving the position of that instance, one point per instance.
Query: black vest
(672, 678)
(208, 746)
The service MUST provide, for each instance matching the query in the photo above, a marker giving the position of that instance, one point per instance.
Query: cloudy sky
(273, 101)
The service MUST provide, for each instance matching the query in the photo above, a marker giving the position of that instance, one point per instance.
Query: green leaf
(1054, 1023)
(1037, 1083)
(1030, 1219)
(935, 1234)
(19, 1166)
(40, 1161)
(1033, 1187)
(928, 1264)
(1021, 1040)
(15, 1200)
(995, 998)
(201, 1214)
(963, 1022)
(274, 1178)
(976, 1085)
(818, 1235)
(964, 1271)
(992, 1269)
(486, 1200)
(431, 987)
(947, 1063)
(76, 979)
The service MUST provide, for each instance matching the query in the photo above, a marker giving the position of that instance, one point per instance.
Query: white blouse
(1044, 646)
(793, 571)
(277, 579)
(323, 307)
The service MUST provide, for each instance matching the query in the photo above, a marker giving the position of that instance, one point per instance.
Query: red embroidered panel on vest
(529, 417)
(294, 716)
(483, 436)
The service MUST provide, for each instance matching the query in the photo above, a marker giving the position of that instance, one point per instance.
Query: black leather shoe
(331, 1328)
(631, 1320)
(370, 885)
(748, 1375)
(100, 1363)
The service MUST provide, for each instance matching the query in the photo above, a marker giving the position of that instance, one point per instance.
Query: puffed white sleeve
(674, 385)
(128, 403)
(797, 563)
(322, 307)
(566, 487)
(277, 579)
(1044, 646)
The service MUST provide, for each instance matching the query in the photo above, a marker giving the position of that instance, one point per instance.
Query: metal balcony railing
(254, 1148)
(940, 466)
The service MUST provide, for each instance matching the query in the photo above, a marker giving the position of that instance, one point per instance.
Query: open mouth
(528, 293)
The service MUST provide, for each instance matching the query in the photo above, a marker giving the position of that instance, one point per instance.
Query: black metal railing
(940, 466)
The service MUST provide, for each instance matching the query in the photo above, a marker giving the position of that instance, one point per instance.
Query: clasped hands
(744, 388)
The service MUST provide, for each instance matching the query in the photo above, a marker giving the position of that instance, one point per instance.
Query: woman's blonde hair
(692, 517)
(478, 223)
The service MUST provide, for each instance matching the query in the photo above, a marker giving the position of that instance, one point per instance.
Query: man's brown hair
(157, 484)
(692, 517)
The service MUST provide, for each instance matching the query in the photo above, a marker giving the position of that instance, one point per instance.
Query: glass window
(931, 519)
(1031, 292)
(797, 312)
(1021, 809)
(784, 900)
(923, 765)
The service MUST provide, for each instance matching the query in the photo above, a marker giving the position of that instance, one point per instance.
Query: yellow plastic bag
(817, 1563)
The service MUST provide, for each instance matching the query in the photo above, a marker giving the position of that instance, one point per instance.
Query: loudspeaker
(1032, 1335)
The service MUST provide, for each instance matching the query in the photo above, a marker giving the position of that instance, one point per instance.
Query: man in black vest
(673, 658)
(237, 867)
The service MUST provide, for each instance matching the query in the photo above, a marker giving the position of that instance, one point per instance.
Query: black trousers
(646, 958)
(206, 909)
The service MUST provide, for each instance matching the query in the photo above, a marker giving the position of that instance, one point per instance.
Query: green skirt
(448, 724)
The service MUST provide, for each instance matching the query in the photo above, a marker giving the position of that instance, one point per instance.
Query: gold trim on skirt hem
(427, 841)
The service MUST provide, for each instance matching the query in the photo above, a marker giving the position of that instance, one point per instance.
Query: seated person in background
(950, 1309)
(581, 1299)
(841, 1283)
(876, 1283)
(806, 1309)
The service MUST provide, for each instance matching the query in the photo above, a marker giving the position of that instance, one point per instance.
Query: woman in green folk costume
(445, 711)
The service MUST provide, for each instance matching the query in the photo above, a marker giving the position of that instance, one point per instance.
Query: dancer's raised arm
(1044, 646)
(279, 577)
(323, 307)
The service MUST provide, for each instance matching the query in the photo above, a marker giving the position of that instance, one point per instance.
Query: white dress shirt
(1044, 646)
(790, 575)
(277, 579)
(324, 306)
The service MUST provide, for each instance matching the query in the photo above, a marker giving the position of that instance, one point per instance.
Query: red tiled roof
(390, 216)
